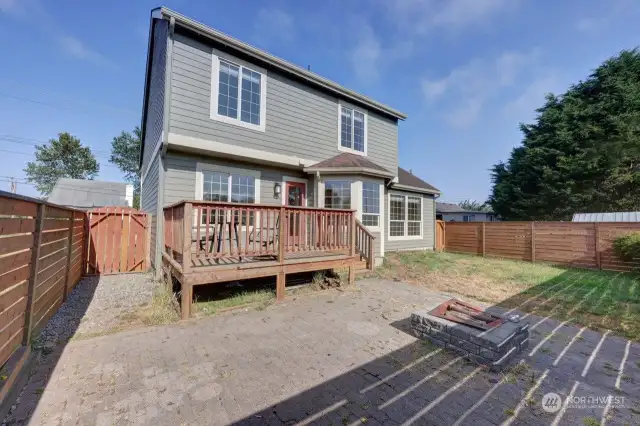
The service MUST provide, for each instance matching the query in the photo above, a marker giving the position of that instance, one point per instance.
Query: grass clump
(257, 299)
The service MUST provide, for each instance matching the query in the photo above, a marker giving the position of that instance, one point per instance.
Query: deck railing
(364, 244)
(197, 230)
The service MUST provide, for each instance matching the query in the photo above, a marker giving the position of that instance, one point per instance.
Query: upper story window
(353, 130)
(238, 94)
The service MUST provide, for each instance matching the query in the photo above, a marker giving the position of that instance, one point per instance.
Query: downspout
(163, 150)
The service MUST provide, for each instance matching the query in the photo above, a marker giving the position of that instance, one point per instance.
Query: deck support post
(280, 284)
(352, 273)
(185, 299)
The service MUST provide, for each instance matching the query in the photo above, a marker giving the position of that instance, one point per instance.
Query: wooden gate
(118, 242)
(440, 230)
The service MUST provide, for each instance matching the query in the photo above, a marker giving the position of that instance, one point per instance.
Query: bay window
(370, 204)
(337, 194)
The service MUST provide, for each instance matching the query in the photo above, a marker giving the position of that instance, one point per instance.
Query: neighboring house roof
(89, 193)
(445, 208)
(278, 63)
(350, 163)
(607, 217)
(407, 180)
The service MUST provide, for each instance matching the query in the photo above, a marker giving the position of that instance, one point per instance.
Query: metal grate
(460, 312)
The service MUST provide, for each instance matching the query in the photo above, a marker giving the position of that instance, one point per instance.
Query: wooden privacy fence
(120, 239)
(586, 245)
(41, 260)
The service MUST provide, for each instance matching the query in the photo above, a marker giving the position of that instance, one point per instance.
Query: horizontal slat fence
(41, 256)
(587, 245)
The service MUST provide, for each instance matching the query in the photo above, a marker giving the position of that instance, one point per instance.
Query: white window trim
(406, 236)
(283, 190)
(381, 207)
(366, 130)
(215, 79)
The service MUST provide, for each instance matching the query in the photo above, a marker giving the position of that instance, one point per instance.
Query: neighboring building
(607, 217)
(87, 194)
(450, 212)
(225, 121)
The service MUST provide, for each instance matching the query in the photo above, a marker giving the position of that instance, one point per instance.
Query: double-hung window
(337, 194)
(405, 216)
(370, 204)
(238, 94)
(353, 130)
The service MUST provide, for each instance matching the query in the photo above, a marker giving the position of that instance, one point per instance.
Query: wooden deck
(221, 242)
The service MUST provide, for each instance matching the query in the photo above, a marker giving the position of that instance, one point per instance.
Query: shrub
(627, 247)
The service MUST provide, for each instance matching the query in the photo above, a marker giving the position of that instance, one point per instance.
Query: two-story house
(225, 121)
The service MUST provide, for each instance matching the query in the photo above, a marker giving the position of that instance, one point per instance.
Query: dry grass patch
(597, 299)
(255, 299)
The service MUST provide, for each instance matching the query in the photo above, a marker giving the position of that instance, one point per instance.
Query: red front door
(296, 193)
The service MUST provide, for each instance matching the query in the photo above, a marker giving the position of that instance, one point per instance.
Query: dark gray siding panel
(300, 120)
(149, 200)
(428, 223)
(155, 101)
(180, 178)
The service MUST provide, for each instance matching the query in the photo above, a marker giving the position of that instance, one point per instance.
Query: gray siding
(300, 121)
(149, 201)
(180, 178)
(155, 100)
(428, 223)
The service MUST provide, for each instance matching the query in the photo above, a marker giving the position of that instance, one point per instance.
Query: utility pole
(14, 185)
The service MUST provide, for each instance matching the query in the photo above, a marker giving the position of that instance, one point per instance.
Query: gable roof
(88, 193)
(409, 180)
(278, 63)
(347, 162)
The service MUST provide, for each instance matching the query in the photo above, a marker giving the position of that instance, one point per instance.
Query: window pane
(358, 131)
(396, 229)
(414, 209)
(337, 194)
(345, 127)
(370, 219)
(228, 90)
(396, 207)
(215, 186)
(414, 228)
(370, 197)
(243, 189)
(250, 112)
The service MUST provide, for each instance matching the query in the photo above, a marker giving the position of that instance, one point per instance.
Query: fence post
(281, 227)
(533, 242)
(596, 226)
(483, 239)
(33, 274)
(69, 241)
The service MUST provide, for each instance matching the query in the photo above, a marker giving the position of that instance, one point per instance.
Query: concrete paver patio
(333, 357)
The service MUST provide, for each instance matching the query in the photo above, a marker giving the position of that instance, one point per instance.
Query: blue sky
(465, 71)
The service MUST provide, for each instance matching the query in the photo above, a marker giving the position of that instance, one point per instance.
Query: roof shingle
(409, 179)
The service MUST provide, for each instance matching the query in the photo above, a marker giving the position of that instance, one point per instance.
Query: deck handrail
(364, 243)
(220, 231)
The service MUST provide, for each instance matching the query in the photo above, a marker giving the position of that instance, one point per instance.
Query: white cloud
(78, 49)
(420, 16)
(532, 97)
(274, 25)
(367, 55)
(463, 93)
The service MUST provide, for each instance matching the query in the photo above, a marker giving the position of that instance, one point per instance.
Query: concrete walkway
(340, 358)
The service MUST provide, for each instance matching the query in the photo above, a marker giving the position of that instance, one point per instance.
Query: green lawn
(596, 299)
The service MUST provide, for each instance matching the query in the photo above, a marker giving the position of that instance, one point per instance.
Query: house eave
(415, 189)
(350, 170)
(281, 64)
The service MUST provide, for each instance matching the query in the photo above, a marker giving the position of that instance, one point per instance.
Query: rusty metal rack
(462, 313)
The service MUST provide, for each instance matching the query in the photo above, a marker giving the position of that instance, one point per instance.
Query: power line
(53, 105)
(19, 140)
(26, 153)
